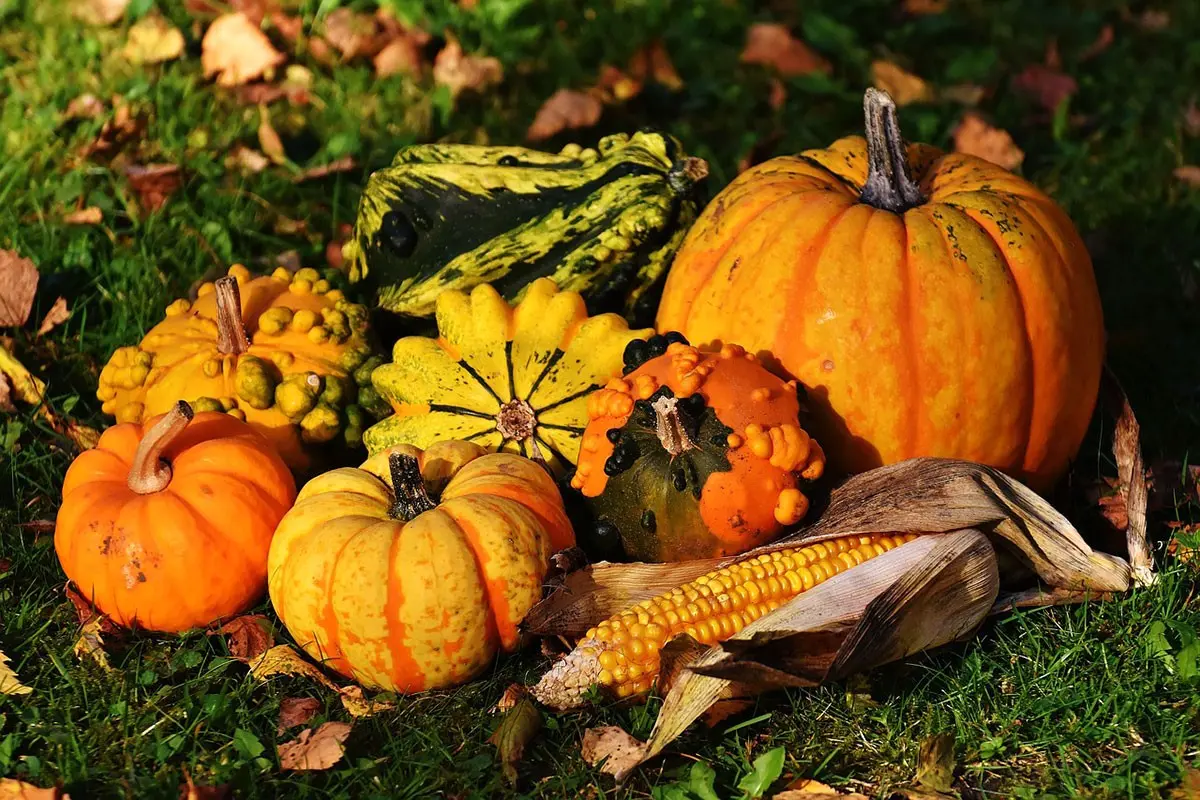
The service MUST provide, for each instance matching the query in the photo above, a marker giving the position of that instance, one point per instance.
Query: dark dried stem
(231, 329)
(889, 184)
(411, 499)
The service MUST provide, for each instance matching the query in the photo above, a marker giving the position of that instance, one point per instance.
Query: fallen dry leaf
(777, 96)
(400, 56)
(122, 127)
(268, 138)
(722, 710)
(352, 33)
(153, 40)
(295, 711)
(247, 161)
(283, 660)
(1048, 86)
(1131, 472)
(289, 27)
(99, 12)
(343, 164)
(904, 87)
(772, 45)
(1154, 20)
(461, 72)
(13, 789)
(90, 643)
(237, 51)
(154, 183)
(249, 636)
(516, 730)
(807, 786)
(358, 704)
(1189, 174)
(85, 106)
(9, 684)
(925, 6)
(935, 763)
(565, 109)
(652, 62)
(56, 316)
(315, 749)
(619, 751)
(615, 86)
(1103, 41)
(1189, 787)
(512, 695)
(801, 794)
(38, 526)
(194, 791)
(333, 250)
(26, 387)
(1180, 550)
(91, 215)
(976, 137)
(18, 285)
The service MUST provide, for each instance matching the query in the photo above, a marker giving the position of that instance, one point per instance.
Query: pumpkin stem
(411, 499)
(674, 438)
(889, 185)
(150, 472)
(231, 330)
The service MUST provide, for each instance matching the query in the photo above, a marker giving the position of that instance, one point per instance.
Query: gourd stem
(669, 427)
(150, 472)
(889, 184)
(411, 499)
(231, 330)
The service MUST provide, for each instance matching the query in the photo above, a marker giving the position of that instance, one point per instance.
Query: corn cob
(621, 654)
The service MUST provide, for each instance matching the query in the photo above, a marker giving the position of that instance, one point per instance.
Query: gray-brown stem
(889, 184)
(670, 430)
(231, 330)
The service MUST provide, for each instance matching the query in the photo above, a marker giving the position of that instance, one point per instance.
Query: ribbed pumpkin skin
(968, 327)
(188, 555)
(410, 606)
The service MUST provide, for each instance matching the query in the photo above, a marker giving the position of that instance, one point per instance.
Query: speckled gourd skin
(604, 222)
(304, 380)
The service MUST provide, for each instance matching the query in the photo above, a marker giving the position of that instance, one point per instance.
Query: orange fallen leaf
(976, 137)
(618, 750)
(512, 695)
(18, 284)
(249, 636)
(1189, 174)
(283, 660)
(237, 51)
(9, 683)
(91, 215)
(925, 6)
(804, 788)
(904, 87)
(777, 97)
(565, 109)
(99, 12)
(295, 711)
(352, 33)
(195, 791)
(90, 643)
(333, 250)
(615, 86)
(154, 183)
(400, 56)
(722, 710)
(461, 72)
(56, 316)
(772, 45)
(85, 106)
(1045, 84)
(343, 164)
(654, 63)
(1103, 41)
(355, 700)
(268, 138)
(246, 160)
(153, 40)
(13, 789)
(121, 128)
(316, 749)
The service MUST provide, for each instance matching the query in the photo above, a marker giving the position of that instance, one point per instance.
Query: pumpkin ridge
(839, 180)
(470, 370)
(554, 358)
(328, 618)
(470, 535)
(401, 654)
(908, 339)
(255, 489)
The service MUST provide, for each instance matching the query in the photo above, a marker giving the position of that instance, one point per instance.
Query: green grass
(1096, 701)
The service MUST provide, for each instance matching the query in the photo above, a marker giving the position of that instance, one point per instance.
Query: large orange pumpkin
(694, 454)
(400, 591)
(951, 313)
(167, 527)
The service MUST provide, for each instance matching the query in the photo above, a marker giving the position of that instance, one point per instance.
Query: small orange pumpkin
(694, 454)
(403, 592)
(167, 526)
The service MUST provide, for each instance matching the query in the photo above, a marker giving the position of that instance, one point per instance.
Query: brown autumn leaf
(619, 751)
(919, 7)
(352, 33)
(935, 763)
(461, 72)
(904, 87)
(90, 644)
(1048, 86)
(91, 215)
(85, 106)
(13, 789)
(18, 285)
(653, 63)
(1189, 174)
(153, 40)
(615, 86)
(777, 96)
(1189, 787)
(355, 700)
(236, 51)
(1131, 473)
(333, 250)
(400, 56)
(295, 711)
(1186, 551)
(154, 183)
(283, 660)
(565, 109)
(249, 636)
(772, 45)
(343, 164)
(1103, 41)
(84, 611)
(246, 160)
(976, 137)
(805, 787)
(512, 695)
(190, 790)
(57, 315)
(99, 12)
(722, 710)
(801, 794)
(316, 749)
(122, 127)
(9, 684)
(268, 138)
(289, 27)
(517, 728)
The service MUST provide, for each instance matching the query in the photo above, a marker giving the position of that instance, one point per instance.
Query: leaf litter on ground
(282, 659)
(773, 45)
(18, 286)
(249, 636)
(519, 724)
(13, 789)
(976, 137)
(904, 87)
(460, 72)
(92, 215)
(236, 51)
(153, 40)
(295, 711)
(9, 683)
(315, 750)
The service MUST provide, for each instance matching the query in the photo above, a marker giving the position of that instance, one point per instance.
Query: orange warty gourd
(167, 526)
(934, 304)
(401, 591)
(694, 454)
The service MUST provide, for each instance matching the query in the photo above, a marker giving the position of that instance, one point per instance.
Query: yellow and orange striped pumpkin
(399, 591)
(933, 304)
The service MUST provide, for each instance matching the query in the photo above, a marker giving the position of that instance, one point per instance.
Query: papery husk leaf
(921, 495)
(1131, 474)
(924, 594)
